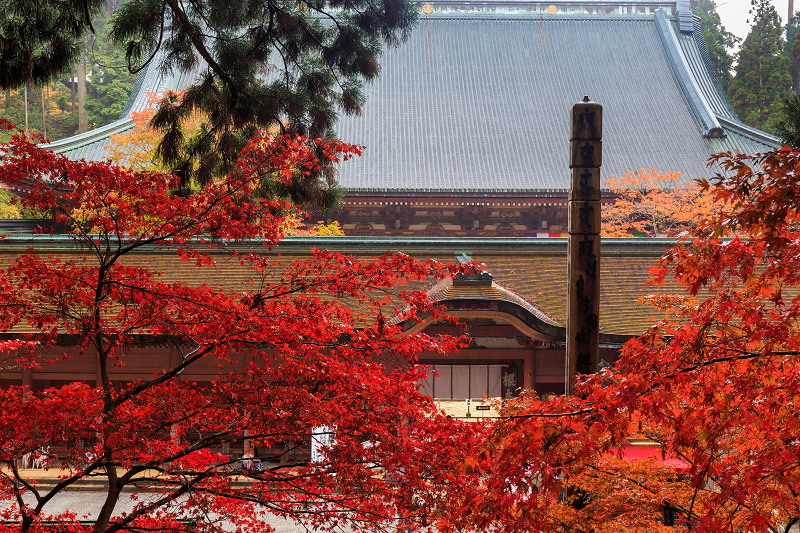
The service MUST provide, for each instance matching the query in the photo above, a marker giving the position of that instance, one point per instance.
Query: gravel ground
(88, 503)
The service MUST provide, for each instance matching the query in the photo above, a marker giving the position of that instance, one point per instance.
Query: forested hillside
(762, 77)
(92, 93)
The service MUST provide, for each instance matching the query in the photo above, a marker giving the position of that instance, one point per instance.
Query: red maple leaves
(712, 388)
(237, 368)
(710, 391)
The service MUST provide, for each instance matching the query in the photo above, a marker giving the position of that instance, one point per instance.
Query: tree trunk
(72, 90)
(44, 114)
(28, 91)
(83, 117)
(112, 497)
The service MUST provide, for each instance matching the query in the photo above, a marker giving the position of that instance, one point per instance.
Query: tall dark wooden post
(583, 293)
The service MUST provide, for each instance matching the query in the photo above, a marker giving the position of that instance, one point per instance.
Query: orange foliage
(136, 149)
(651, 203)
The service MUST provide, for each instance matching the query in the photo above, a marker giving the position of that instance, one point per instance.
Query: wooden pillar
(583, 300)
(529, 368)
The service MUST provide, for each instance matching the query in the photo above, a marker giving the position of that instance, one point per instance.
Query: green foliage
(62, 103)
(62, 121)
(41, 39)
(718, 40)
(111, 82)
(788, 126)
(762, 78)
(108, 89)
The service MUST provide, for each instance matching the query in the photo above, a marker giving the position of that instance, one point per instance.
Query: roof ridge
(537, 16)
(440, 292)
(535, 308)
(700, 42)
(697, 103)
(88, 137)
(750, 132)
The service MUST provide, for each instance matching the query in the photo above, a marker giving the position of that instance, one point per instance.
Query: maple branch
(166, 376)
(119, 524)
(151, 505)
(157, 235)
(744, 355)
(350, 503)
(18, 479)
(61, 485)
(548, 415)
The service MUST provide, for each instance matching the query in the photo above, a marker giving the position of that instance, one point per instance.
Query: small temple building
(514, 311)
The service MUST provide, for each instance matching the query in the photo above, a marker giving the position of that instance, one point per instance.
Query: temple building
(466, 135)
(514, 310)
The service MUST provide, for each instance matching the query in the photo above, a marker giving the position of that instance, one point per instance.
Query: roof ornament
(684, 17)
(471, 275)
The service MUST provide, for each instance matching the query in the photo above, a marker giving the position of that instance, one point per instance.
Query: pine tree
(268, 63)
(718, 40)
(762, 78)
(39, 40)
(792, 50)
(110, 83)
(788, 126)
(287, 64)
(106, 85)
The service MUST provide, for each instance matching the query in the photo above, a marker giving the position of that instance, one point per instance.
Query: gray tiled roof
(478, 100)
(483, 104)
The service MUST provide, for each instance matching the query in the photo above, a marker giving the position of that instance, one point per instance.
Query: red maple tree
(711, 392)
(315, 331)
